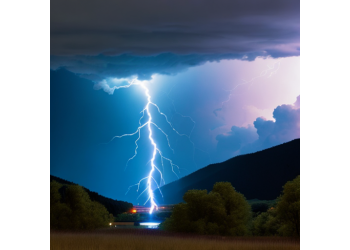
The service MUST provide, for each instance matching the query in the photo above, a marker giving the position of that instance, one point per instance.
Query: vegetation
(284, 220)
(288, 208)
(266, 224)
(71, 208)
(223, 211)
(128, 217)
(114, 207)
(155, 239)
(226, 212)
(260, 206)
(163, 215)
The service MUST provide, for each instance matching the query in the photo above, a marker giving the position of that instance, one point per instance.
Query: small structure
(140, 209)
(121, 224)
(143, 209)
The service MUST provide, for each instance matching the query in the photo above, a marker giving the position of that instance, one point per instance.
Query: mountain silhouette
(260, 175)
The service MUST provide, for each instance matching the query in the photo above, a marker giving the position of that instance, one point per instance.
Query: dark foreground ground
(152, 239)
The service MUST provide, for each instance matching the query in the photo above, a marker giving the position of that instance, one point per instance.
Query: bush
(75, 210)
(266, 224)
(259, 207)
(127, 217)
(223, 211)
(284, 220)
(288, 208)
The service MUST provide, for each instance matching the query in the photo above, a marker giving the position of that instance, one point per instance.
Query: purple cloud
(268, 133)
(235, 139)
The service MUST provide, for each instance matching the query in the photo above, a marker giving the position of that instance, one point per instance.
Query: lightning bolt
(190, 134)
(271, 70)
(151, 183)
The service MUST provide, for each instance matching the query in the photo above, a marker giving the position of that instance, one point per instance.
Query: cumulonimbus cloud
(119, 38)
(265, 134)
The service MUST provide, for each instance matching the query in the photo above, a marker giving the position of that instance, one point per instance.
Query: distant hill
(113, 206)
(259, 175)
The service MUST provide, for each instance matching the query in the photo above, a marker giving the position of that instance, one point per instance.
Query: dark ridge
(114, 207)
(259, 175)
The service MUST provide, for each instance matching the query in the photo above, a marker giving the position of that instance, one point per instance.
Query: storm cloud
(267, 133)
(231, 142)
(97, 68)
(124, 38)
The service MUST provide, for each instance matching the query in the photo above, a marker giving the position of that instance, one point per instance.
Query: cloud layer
(99, 67)
(182, 26)
(267, 133)
(168, 36)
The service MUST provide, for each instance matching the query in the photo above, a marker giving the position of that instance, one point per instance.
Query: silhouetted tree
(223, 211)
(60, 213)
(259, 207)
(284, 220)
(75, 210)
(127, 217)
(266, 224)
(288, 208)
(114, 207)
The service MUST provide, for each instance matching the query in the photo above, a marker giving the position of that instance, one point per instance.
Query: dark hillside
(259, 175)
(113, 206)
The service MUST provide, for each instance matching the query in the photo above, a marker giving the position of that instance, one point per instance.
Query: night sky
(225, 73)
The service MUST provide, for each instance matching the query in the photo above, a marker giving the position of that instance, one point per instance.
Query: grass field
(148, 239)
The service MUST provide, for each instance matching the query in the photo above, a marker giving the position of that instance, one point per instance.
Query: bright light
(152, 184)
(110, 224)
(134, 211)
(149, 224)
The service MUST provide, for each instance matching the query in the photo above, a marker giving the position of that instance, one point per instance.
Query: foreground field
(154, 239)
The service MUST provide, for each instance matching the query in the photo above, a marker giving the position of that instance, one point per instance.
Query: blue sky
(25, 94)
(223, 109)
(225, 75)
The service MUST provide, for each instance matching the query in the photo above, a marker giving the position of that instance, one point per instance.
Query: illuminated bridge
(143, 209)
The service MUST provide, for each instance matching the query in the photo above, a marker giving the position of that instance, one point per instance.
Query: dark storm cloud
(286, 127)
(143, 29)
(102, 66)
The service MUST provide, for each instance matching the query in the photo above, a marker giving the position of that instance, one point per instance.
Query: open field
(148, 239)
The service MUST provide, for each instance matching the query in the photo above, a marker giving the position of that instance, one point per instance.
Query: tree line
(72, 208)
(224, 211)
(114, 207)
